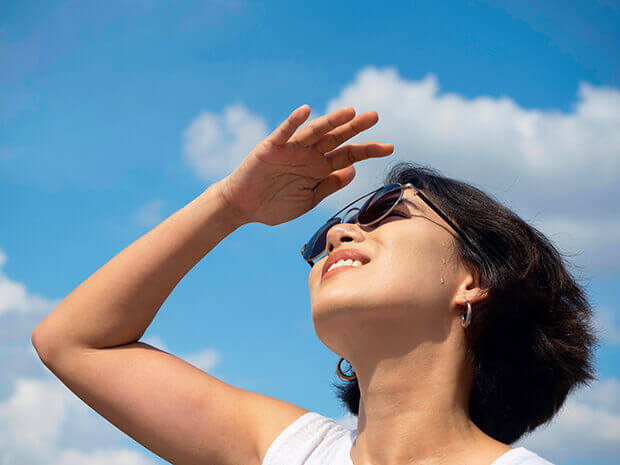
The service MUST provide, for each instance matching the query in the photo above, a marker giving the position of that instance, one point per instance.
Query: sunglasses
(376, 208)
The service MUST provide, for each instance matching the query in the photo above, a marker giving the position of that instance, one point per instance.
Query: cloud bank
(558, 171)
(41, 421)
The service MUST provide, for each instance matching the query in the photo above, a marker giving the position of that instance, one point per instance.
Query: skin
(400, 328)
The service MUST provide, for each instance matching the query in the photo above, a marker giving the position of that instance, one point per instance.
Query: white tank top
(314, 439)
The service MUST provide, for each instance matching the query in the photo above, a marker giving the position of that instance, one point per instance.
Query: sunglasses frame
(402, 187)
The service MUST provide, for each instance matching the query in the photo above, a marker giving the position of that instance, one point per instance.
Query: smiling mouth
(338, 269)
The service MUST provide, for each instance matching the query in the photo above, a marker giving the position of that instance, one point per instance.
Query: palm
(288, 174)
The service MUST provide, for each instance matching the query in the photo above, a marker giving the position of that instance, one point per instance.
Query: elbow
(40, 342)
(51, 346)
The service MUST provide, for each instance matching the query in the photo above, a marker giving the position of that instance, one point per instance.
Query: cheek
(405, 273)
(412, 272)
(314, 276)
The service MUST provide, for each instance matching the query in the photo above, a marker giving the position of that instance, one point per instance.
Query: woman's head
(410, 270)
(530, 341)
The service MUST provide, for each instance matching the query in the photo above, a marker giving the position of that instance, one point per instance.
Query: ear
(470, 288)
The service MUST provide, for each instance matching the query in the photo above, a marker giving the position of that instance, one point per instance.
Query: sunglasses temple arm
(445, 217)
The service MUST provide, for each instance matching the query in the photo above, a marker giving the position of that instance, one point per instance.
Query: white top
(314, 439)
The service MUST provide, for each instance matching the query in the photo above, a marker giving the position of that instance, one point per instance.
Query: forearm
(118, 302)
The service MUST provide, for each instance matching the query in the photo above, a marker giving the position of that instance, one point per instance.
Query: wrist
(227, 211)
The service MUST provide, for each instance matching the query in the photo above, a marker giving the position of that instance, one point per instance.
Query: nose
(342, 232)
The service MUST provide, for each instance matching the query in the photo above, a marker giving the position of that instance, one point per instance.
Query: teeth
(348, 262)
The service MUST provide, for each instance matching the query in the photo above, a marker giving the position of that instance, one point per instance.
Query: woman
(462, 326)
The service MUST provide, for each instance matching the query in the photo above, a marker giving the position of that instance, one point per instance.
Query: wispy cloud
(605, 322)
(205, 359)
(101, 457)
(589, 422)
(155, 341)
(150, 215)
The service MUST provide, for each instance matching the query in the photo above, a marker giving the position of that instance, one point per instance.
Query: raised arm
(90, 341)
(118, 302)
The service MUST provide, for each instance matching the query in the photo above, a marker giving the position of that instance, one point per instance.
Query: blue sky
(115, 115)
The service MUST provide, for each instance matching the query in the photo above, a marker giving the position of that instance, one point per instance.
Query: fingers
(334, 138)
(283, 132)
(332, 183)
(318, 127)
(351, 153)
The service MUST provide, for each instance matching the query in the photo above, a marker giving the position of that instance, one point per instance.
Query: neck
(414, 409)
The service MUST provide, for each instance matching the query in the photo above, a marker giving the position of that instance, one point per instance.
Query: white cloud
(562, 167)
(349, 421)
(214, 145)
(40, 415)
(30, 420)
(205, 359)
(101, 457)
(589, 421)
(604, 321)
(150, 215)
(15, 297)
(155, 341)
(20, 312)
(41, 421)
(454, 131)
(592, 244)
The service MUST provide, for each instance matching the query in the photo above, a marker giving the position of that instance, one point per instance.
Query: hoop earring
(466, 316)
(342, 375)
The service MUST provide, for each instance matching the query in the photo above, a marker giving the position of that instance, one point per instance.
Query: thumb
(332, 183)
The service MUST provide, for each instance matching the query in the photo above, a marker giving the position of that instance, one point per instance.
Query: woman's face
(396, 299)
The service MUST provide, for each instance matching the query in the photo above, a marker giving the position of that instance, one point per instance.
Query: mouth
(339, 269)
(344, 258)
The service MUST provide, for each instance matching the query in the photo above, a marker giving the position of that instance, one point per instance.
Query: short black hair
(531, 341)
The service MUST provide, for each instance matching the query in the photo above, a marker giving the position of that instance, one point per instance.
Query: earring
(342, 375)
(466, 316)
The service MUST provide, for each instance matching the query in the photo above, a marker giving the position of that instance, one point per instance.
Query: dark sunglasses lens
(379, 203)
(316, 244)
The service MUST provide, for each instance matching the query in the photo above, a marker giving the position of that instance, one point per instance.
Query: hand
(288, 173)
